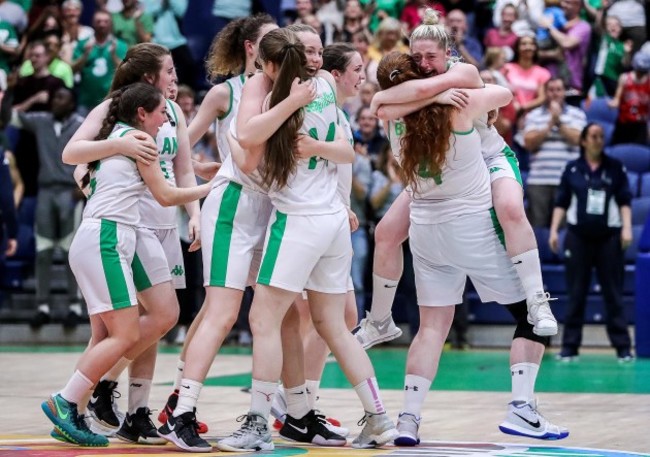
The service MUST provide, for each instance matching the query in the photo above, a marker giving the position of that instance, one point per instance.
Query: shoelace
(246, 426)
(363, 420)
(320, 417)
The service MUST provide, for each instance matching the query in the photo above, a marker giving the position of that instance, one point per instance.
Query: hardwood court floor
(606, 405)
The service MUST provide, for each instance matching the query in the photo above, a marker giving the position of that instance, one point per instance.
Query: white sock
(262, 393)
(523, 381)
(44, 308)
(312, 392)
(82, 406)
(383, 295)
(415, 391)
(76, 388)
(188, 396)
(297, 403)
(115, 372)
(368, 392)
(180, 366)
(529, 270)
(139, 390)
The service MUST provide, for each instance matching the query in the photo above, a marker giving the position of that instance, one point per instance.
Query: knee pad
(524, 329)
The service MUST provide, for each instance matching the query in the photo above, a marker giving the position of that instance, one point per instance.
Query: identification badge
(596, 202)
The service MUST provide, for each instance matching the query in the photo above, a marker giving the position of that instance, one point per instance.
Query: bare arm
(571, 135)
(19, 185)
(626, 229)
(565, 40)
(454, 97)
(534, 139)
(215, 104)
(338, 151)
(246, 159)
(255, 127)
(558, 217)
(460, 75)
(82, 148)
(537, 101)
(483, 100)
(183, 169)
(167, 195)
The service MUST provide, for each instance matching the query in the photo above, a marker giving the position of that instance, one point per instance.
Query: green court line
(477, 370)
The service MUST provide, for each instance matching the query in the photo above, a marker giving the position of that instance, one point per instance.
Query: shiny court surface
(605, 404)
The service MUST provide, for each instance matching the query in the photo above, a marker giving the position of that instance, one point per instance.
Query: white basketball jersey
(311, 189)
(153, 215)
(222, 124)
(231, 172)
(461, 188)
(115, 187)
(344, 170)
(491, 142)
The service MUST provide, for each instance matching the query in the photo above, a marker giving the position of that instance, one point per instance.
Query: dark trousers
(190, 298)
(606, 255)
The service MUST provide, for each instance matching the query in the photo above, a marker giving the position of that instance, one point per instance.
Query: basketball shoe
(370, 333)
(524, 419)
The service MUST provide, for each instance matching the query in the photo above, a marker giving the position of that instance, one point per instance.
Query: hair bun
(431, 17)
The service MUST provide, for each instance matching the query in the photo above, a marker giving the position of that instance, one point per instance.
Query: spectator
(555, 15)
(73, 31)
(331, 19)
(368, 138)
(354, 21)
(96, 59)
(551, 137)
(8, 219)
(361, 179)
(526, 78)
(9, 48)
(56, 65)
(132, 25)
(56, 200)
(633, 19)
(413, 13)
(503, 35)
(353, 105)
(632, 99)
(612, 58)
(529, 13)
(167, 16)
(387, 39)
(227, 10)
(465, 46)
(495, 60)
(49, 20)
(380, 10)
(574, 41)
(386, 182)
(12, 13)
(361, 43)
(33, 93)
(595, 196)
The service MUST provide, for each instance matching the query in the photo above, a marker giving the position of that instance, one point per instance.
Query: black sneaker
(310, 429)
(101, 404)
(182, 431)
(40, 319)
(138, 428)
(71, 321)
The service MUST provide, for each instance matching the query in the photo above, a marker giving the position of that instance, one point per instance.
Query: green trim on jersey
(113, 273)
(231, 97)
(223, 234)
(497, 227)
(140, 277)
(514, 163)
(272, 248)
(467, 132)
(171, 107)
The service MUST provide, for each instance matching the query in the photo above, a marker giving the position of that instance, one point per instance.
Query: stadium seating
(599, 111)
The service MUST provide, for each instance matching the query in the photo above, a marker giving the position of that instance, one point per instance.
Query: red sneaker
(334, 422)
(277, 425)
(169, 408)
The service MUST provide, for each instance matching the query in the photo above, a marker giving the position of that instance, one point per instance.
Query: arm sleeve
(623, 194)
(563, 192)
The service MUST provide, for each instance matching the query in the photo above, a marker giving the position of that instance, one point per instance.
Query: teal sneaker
(69, 424)
(57, 436)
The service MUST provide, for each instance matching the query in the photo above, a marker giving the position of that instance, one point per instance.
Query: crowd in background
(557, 57)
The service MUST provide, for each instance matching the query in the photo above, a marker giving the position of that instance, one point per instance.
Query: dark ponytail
(283, 48)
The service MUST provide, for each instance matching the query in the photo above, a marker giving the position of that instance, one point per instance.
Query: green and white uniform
(344, 170)
(159, 257)
(501, 161)
(308, 242)
(454, 232)
(103, 247)
(235, 213)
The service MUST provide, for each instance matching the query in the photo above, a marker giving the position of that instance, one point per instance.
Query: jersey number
(331, 133)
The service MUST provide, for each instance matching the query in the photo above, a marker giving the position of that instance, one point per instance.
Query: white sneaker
(370, 333)
(541, 316)
(253, 435)
(378, 430)
(524, 419)
(279, 405)
(408, 426)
